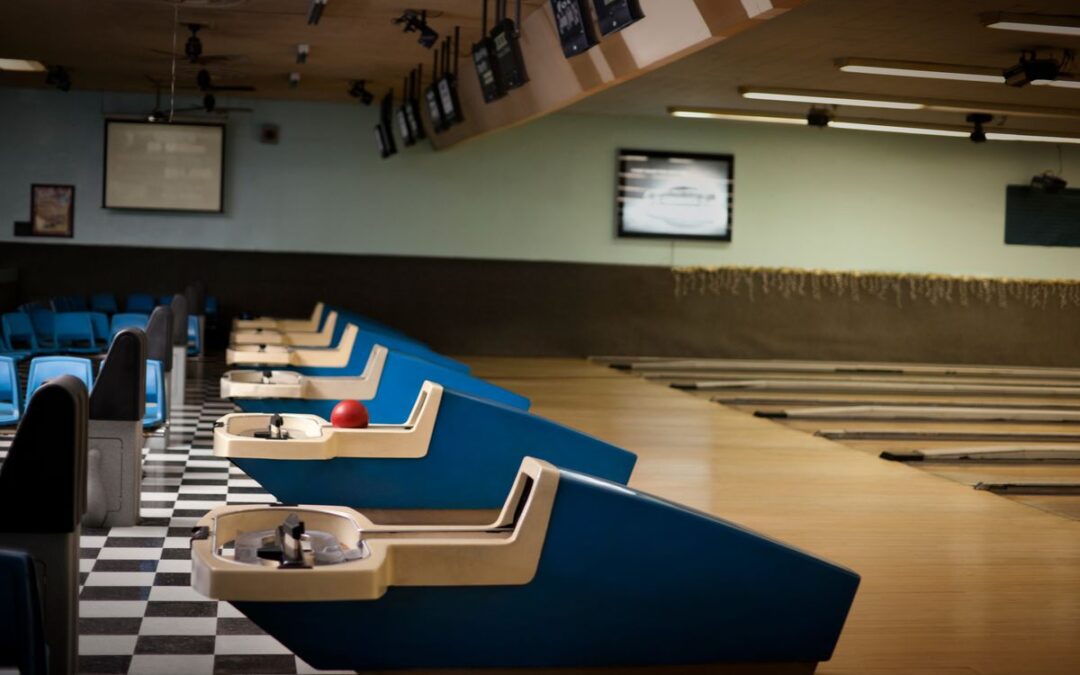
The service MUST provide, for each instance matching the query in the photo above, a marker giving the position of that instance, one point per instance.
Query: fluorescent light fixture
(1033, 23)
(1060, 82)
(1030, 138)
(899, 129)
(22, 65)
(878, 125)
(932, 71)
(827, 98)
(735, 116)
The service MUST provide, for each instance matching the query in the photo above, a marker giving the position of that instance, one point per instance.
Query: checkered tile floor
(138, 612)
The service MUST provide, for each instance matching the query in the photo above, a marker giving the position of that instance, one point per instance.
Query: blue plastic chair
(44, 323)
(140, 303)
(9, 392)
(19, 332)
(194, 343)
(155, 395)
(69, 303)
(211, 305)
(22, 621)
(75, 333)
(122, 321)
(104, 303)
(100, 324)
(6, 350)
(44, 368)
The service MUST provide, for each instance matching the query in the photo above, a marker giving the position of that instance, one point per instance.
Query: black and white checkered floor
(138, 612)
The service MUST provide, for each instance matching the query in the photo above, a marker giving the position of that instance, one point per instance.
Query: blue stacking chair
(75, 333)
(128, 320)
(44, 368)
(99, 322)
(9, 392)
(22, 621)
(140, 303)
(69, 303)
(44, 323)
(211, 305)
(6, 350)
(155, 395)
(104, 303)
(19, 332)
(194, 344)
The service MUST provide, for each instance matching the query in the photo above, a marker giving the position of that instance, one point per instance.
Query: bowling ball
(349, 415)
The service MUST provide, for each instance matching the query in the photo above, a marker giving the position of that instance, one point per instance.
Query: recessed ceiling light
(22, 65)
(827, 98)
(1033, 23)
(933, 71)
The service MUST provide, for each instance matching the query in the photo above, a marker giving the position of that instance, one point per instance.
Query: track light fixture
(1033, 69)
(209, 103)
(316, 11)
(416, 22)
(294, 80)
(302, 53)
(818, 117)
(358, 90)
(58, 77)
(977, 120)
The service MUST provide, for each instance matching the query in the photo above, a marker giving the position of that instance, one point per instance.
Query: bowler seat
(155, 395)
(18, 332)
(9, 392)
(128, 320)
(140, 303)
(75, 333)
(44, 368)
(104, 303)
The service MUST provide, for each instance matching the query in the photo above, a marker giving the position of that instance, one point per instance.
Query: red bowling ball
(349, 415)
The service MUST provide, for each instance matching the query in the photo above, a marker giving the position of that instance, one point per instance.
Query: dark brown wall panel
(563, 309)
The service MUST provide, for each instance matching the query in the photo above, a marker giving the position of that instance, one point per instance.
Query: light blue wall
(804, 197)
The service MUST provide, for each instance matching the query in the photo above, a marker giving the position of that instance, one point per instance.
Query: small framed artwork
(52, 210)
(675, 195)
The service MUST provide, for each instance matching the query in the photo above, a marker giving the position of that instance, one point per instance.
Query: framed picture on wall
(52, 210)
(675, 195)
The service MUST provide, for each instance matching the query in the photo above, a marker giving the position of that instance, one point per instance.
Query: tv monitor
(404, 128)
(484, 59)
(164, 167)
(575, 26)
(675, 195)
(448, 100)
(614, 15)
(435, 113)
(510, 64)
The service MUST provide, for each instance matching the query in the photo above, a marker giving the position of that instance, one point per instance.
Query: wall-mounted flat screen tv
(575, 26)
(614, 15)
(675, 195)
(169, 167)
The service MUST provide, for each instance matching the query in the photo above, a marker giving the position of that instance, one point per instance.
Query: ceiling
(123, 44)
(798, 50)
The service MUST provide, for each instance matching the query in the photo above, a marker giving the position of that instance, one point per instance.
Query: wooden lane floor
(657, 365)
(954, 580)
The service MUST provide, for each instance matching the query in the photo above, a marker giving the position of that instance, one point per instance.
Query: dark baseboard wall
(500, 307)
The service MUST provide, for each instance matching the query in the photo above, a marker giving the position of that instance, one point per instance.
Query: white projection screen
(169, 167)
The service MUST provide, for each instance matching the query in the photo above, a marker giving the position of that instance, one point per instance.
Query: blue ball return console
(574, 571)
(454, 451)
(388, 386)
(347, 356)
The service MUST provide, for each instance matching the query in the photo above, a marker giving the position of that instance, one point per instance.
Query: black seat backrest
(43, 479)
(159, 336)
(120, 389)
(196, 298)
(179, 320)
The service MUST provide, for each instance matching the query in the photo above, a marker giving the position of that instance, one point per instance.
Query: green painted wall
(803, 197)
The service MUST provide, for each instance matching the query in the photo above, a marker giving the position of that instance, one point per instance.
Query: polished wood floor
(955, 580)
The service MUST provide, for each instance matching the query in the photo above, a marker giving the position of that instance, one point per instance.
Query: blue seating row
(107, 303)
(44, 368)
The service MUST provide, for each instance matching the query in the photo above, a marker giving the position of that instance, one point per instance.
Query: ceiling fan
(193, 49)
(209, 105)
